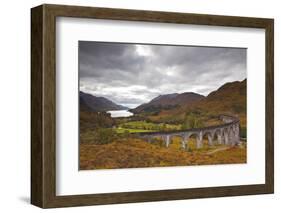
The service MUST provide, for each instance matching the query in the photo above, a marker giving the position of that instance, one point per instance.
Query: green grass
(120, 130)
(144, 126)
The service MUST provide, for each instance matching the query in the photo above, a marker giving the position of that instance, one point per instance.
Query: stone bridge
(226, 133)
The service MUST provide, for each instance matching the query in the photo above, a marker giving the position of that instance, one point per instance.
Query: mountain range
(93, 103)
(229, 98)
(168, 101)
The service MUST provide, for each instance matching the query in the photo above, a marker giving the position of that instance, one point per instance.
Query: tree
(191, 121)
(104, 136)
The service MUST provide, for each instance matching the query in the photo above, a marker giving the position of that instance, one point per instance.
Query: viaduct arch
(227, 133)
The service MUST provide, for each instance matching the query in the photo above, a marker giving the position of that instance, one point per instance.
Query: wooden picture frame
(43, 105)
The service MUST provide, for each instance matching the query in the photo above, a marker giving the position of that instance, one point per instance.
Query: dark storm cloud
(131, 74)
(104, 59)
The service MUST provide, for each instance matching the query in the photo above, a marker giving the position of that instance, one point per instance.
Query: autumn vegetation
(107, 143)
(135, 153)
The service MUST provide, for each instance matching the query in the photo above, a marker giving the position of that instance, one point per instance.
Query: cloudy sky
(132, 74)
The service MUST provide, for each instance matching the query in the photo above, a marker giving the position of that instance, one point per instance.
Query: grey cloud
(132, 74)
(104, 59)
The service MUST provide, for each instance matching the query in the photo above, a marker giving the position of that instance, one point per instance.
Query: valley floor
(135, 153)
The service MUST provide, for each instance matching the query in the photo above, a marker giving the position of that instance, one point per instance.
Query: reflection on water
(120, 113)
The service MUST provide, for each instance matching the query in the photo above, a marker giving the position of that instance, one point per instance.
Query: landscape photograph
(152, 105)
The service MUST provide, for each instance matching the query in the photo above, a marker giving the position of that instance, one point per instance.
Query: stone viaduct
(226, 133)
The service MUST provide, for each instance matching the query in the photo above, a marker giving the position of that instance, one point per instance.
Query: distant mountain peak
(172, 95)
(93, 103)
(167, 101)
(229, 98)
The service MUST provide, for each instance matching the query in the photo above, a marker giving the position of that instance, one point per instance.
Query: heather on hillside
(136, 153)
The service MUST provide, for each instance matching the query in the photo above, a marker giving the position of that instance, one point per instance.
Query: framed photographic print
(137, 106)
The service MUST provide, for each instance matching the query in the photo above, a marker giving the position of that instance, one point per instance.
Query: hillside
(230, 98)
(168, 101)
(135, 153)
(106, 143)
(97, 104)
